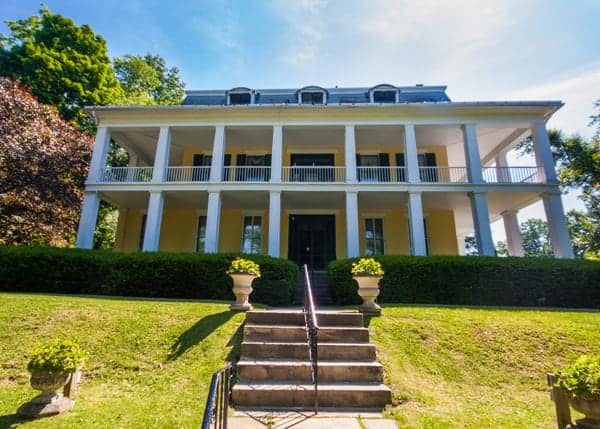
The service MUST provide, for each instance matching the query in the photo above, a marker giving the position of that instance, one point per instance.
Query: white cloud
(578, 91)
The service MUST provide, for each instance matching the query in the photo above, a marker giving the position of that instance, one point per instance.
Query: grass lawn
(151, 360)
(455, 367)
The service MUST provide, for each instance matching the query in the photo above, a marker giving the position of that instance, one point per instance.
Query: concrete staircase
(274, 369)
(320, 286)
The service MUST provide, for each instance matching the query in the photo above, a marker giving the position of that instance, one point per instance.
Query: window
(312, 97)
(374, 236)
(384, 96)
(252, 234)
(240, 98)
(201, 234)
(142, 232)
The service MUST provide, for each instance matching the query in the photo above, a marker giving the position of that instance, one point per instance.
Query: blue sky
(481, 49)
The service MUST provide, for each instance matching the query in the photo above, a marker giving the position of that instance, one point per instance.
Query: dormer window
(383, 94)
(312, 95)
(240, 96)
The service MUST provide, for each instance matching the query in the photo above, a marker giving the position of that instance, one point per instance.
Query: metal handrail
(312, 333)
(217, 403)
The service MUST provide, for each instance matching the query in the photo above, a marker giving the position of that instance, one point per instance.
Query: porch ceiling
(313, 200)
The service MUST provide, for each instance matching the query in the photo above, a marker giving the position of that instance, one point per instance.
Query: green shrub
(582, 378)
(56, 357)
(158, 275)
(468, 280)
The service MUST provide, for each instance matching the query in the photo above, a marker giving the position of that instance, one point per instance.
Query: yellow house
(315, 174)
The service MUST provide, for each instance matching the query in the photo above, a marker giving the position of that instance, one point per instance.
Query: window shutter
(400, 160)
(227, 160)
(240, 160)
(384, 161)
(198, 160)
(401, 176)
(267, 173)
(226, 165)
(430, 160)
(358, 159)
(268, 160)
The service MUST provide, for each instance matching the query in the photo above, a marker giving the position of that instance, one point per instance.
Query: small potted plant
(582, 381)
(51, 365)
(368, 272)
(243, 272)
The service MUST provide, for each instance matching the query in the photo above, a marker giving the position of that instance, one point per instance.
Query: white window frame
(251, 92)
(384, 88)
(260, 223)
(200, 216)
(307, 90)
(382, 238)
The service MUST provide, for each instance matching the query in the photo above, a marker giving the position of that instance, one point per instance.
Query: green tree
(536, 238)
(65, 65)
(501, 248)
(147, 80)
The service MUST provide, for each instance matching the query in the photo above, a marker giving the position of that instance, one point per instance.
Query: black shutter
(400, 170)
(267, 173)
(359, 172)
(240, 161)
(226, 167)
(198, 160)
(430, 162)
(384, 161)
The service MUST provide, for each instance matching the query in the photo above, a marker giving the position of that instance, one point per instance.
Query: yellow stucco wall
(178, 231)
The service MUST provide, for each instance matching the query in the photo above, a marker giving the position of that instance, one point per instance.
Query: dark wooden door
(312, 240)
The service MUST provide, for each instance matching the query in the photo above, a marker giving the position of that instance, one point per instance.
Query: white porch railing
(247, 174)
(313, 174)
(126, 175)
(380, 174)
(443, 174)
(188, 174)
(512, 174)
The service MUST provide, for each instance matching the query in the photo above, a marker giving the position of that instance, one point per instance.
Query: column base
(240, 307)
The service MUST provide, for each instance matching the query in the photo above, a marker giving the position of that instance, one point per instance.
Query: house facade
(316, 174)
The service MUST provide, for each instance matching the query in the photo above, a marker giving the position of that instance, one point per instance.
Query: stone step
(300, 371)
(299, 350)
(296, 318)
(282, 394)
(335, 334)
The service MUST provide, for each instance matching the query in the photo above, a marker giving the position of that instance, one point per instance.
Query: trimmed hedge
(159, 275)
(470, 280)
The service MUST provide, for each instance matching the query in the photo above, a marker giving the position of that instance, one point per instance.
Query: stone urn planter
(368, 290)
(51, 401)
(590, 407)
(242, 288)
(368, 273)
(242, 272)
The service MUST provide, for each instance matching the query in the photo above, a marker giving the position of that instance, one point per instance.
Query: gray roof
(406, 94)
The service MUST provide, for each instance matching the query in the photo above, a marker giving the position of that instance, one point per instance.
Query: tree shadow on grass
(198, 332)
(10, 421)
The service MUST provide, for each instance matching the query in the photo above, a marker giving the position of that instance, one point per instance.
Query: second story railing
(188, 174)
(315, 174)
(443, 174)
(126, 175)
(512, 174)
(247, 174)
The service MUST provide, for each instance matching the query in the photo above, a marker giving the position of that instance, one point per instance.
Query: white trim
(311, 90)
(372, 215)
(291, 212)
(291, 151)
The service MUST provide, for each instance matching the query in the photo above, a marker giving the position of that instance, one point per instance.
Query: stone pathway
(308, 420)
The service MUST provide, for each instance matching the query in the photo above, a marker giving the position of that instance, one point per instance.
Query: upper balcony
(307, 155)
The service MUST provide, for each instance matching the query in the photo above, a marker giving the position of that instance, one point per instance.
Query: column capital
(511, 212)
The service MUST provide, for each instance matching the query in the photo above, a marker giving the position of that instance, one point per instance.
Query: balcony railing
(126, 175)
(313, 174)
(188, 174)
(512, 174)
(246, 174)
(322, 174)
(443, 174)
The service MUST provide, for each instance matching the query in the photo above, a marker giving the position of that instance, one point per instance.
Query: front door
(312, 240)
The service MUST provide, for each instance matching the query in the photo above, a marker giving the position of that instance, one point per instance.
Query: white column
(502, 170)
(218, 156)
(213, 221)
(481, 222)
(557, 223)
(350, 154)
(543, 152)
(277, 154)
(474, 171)
(87, 221)
(274, 223)
(416, 227)
(153, 221)
(411, 160)
(98, 162)
(161, 158)
(352, 224)
(514, 242)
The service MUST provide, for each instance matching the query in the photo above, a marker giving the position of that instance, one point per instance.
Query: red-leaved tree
(43, 165)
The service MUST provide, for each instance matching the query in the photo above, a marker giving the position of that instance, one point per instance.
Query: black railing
(312, 333)
(217, 403)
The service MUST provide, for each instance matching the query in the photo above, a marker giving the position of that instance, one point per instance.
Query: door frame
(294, 231)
